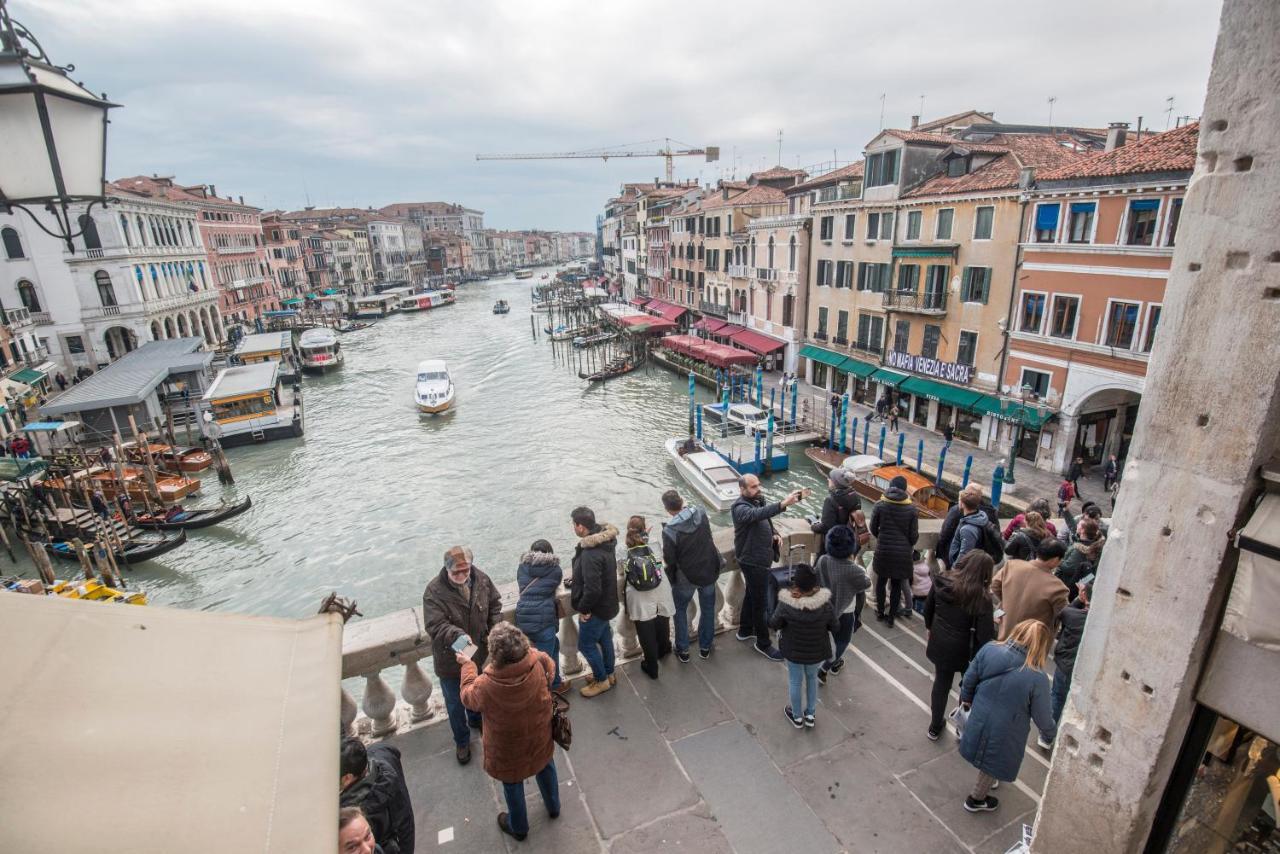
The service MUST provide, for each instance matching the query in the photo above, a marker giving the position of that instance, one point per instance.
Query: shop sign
(950, 371)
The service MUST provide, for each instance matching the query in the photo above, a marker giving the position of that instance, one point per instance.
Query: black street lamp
(1017, 433)
(54, 132)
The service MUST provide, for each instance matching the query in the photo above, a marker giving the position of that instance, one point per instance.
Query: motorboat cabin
(246, 405)
(434, 391)
(269, 346)
(715, 481)
(375, 305)
(320, 350)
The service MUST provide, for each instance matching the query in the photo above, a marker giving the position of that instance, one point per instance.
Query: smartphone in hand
(464, 647)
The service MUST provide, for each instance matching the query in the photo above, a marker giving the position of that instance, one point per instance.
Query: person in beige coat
(1028, 590)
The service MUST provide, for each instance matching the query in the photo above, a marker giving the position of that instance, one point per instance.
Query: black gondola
(616, 368)
(179, 518)
(144, 546)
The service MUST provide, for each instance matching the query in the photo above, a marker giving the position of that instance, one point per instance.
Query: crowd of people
(992, 611)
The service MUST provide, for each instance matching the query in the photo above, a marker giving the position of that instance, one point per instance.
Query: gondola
(179, 518)
(352, 326)
(616, 368)
(144, 545)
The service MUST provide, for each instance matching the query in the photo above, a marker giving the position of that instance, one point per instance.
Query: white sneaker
(1042, 744)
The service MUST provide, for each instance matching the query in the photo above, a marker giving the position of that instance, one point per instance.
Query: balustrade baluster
(379, 703)
(416, 691)
(571, 661)
(348, 712)
(736, 589)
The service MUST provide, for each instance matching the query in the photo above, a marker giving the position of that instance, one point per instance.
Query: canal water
(367, 502)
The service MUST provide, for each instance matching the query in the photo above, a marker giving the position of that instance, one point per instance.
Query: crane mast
(668, 153)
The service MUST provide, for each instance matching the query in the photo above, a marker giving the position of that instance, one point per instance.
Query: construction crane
(711, 152)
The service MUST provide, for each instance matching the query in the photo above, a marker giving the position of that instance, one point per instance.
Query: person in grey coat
(1004, 690)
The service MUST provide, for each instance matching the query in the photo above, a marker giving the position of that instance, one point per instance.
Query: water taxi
(501, 307)
(374, 305)
(434, 391)
(524, 274)
(320, 350)
(742, 418)
(246, 405)
(707, 472)
(427, 300)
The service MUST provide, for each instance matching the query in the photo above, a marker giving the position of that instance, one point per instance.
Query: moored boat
(524, 274)
(501, 307)
(179, 517)
(142, 545)
(96, 591)
(712, 478)
(924, 494)
(320, 350)
(172, 487)
(434, 390)
(827, 459)
(170, 458)
(351, 325)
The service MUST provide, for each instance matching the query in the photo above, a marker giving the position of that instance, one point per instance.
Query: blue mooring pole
(844, 424)
(795, 393)
(831, 434)
(884, 431)
(768, 449)
(692, 405)
(724, 421)
(920, 456)
(698, 413)
(773, 392)
(759, 385)
(759, 469)
(853, 436)
(866, 435)
(942, 459)
(968, 464)
(902, 441)
(997, 486)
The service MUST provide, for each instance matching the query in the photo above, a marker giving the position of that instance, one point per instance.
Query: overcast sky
(378, 101)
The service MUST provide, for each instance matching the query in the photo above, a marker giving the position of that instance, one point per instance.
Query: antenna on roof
(1168, 112)
(779, 146)
(882, 111)
(1052, 100)
(922, 105)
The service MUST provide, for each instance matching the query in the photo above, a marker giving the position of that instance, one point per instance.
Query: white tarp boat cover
(145, 729)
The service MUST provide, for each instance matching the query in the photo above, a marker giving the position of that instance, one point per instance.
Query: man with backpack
(1066, 492)
(974, 531)
(693, 564)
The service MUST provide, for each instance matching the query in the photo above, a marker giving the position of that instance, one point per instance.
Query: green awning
(29, 376)
(884, 375)
(330, 291)
(826, 357)
(924, 251)
(859, 369)
(291, 301)
(1011, 410)
(312, 296)
(953, 395)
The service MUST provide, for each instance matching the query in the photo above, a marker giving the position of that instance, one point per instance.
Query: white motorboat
(524, 274)
(706, 471)
(744, 418)
(434, 392)
(320, 350)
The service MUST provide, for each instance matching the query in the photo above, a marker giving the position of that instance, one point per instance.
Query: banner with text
(949, 371)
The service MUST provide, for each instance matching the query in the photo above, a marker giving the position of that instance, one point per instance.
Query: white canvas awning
(145, 729)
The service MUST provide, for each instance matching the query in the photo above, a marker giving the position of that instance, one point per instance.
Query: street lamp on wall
(54, 132)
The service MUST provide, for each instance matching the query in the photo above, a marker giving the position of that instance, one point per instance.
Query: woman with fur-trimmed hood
(538, 577)
(806, 620)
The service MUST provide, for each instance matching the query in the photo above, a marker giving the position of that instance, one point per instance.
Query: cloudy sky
(285, 101)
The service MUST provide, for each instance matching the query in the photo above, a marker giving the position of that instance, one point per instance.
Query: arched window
(155, 236)
(89, 231)
(191, 234)
(12, 243)
(106, 293)
(142, 282)
(770, 264)
(27, 293)
(753, 251)
(124, 230)
(142, 232)
(791, 254)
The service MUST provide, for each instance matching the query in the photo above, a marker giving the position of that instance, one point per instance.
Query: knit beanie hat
(841, 477)
(803, 577)
(840, 542)
(899, 482)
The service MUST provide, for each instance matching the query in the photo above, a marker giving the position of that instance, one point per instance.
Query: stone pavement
(703, 760)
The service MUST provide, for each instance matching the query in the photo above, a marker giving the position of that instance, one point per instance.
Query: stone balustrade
(399, 639)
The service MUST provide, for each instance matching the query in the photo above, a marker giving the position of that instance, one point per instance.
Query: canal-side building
(1098, 236)
(386, 245)
(686, 255)
(354, 265)
(283, 242)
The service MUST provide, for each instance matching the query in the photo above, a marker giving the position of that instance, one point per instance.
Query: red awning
(719, 355)
(757, 342)
(649, 323)
(668, 310)
(729, 329)
(639, 301)
(709, 324)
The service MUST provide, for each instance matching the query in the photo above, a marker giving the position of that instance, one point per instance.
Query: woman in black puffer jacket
(960, 619)
(806, 619)
(895, 524)
(539, 577)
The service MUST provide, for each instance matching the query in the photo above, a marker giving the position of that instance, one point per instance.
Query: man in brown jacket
(1028, 590)
(461, 600)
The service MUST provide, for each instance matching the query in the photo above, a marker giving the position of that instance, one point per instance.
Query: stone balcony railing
(236, 250)
(399, 639)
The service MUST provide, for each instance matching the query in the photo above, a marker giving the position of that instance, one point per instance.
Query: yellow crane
(668, 152)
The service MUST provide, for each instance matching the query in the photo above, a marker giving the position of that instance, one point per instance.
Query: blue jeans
(595, 642)
(548, 784)
(549, 642)
(842, 636)
(808, 674)
(683, 594)
(461, 719)
(1058, 694)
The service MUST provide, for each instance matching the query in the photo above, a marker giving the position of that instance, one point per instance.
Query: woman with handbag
(960, 619)
(537, 615)
(514, 696)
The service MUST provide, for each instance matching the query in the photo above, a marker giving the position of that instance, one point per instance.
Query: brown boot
(613, 679)
(592, 688)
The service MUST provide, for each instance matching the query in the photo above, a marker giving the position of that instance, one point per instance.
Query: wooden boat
(144, 545)
(827, 459)
(931, 503)
(170, 458)
(616, 368)
(501, 307)
(352, 325)
(180, 518)
(583, 341)
(172, 487)
(707, 472)
(96, 591)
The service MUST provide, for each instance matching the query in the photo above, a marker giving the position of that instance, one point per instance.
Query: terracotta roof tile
(1017, 151)
(1171, 151)
(921, 136)
(776, 172)
(757, 195)
(946, 120)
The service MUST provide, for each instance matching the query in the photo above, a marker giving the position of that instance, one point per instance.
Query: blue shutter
(1047, 217)
(1082, 207)
(1144, 205)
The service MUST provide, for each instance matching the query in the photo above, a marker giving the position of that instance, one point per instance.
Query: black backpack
(992, 542)
(644, 570)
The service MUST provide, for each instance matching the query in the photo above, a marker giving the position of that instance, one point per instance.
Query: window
(1032, 313)
(1037, 381)
(770, 264)
(957, 167)
(791, 255)
(945, 218)
(1149, 333)
(822, 321)
(12, 243)
(886, 226)
(842, 327)
(932, 334)
(823, 273)
(935, 286)
(982, 223)
(826, 227)
(909, 277)
(1080, 226)
(1046, 223)
(788, 310)
(913, 224)
(902, 335)
(27, 293)
(844, 274)
(873, 226)
(1122, 323)
(75, 344)
(873, 277)
(976, 284)
(106, 293)
(882, 168)
(870, 332)
(1175, 214)
(1142, 222)
(1065, 311)
(849, 222)
(968, 349)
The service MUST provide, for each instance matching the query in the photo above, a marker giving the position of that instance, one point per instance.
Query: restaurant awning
(648, 323)
(291, 301)
(858, 368)
(331, 291)
(719, 355)
(888, 377)
(29, 376)
(825, 357)
(639, 301)
(924, 251)
(709, 324)
(729, 329)
(670, 311)
(1008, 410)
(755, 341)
(961, 397)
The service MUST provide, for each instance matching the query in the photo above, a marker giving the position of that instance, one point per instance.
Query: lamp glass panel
(78, 133)
(24, 160)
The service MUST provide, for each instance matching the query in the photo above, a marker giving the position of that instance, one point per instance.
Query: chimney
(724, 193)
(213, 191)
(915, 122)
(242, 200)
(1116, 134)
(1026, 177)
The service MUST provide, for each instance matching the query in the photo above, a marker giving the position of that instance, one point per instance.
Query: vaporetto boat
(320, 350)
(434, 392)
(426, 300)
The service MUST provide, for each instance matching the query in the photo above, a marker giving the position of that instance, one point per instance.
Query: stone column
(570, 661)
(416, 691)
(379, 703)
(1208, 421)
(736, 588)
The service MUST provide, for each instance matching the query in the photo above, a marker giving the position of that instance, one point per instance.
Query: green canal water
(367, 502)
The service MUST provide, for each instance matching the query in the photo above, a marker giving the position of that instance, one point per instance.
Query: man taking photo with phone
(756, 546)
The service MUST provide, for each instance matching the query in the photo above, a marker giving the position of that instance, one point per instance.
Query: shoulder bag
(561, 727)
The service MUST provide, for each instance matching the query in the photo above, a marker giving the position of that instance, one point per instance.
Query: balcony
(41, 318)
(928, 302)
(866, 347)
(765, 274)
(236, 250)
(840, 340)
(739, 271)
(17, 318)
(714, 309)
(820, 335)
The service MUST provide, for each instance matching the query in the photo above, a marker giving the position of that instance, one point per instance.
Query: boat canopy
(719, 355)
(648, 323)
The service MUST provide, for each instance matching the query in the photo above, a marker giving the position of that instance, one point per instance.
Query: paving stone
(943, 785)
(693, 830)
(680, 700)
(627, 773)
(1005, 838)
(571, 833)
(756, 808)
(868, 810)
(447, 796)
